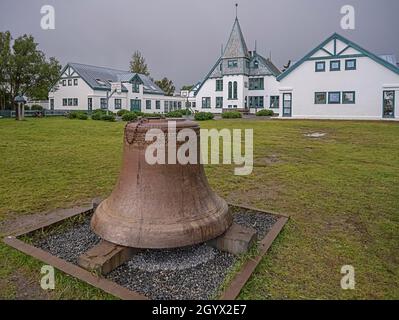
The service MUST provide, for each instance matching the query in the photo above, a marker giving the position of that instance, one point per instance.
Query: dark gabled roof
(269, 64)
(349, 43)
(236, 46)
(100, 78)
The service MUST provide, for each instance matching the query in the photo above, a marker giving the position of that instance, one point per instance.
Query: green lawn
(341, 192)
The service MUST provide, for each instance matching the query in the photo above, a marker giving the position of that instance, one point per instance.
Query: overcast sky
(181, 39)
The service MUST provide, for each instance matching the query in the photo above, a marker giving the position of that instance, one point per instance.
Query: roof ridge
(99, 67)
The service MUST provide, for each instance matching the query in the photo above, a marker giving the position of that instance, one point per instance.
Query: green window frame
(333, 101)
(219, 102)
(219, 85)
(320, 66)
(235, 90)
(256, 102)
(118, 103)
(350, 67)
(232, 63)
(256, 84)
(335, 65)
(63, 83)
(230, 91)
(206, 102)
(64, 102)
(135, 87)
(69, 82)
(148, 104)
(75, 102)
(320, 98)
(103, 103)
(256, 64)
(157, 104)
(345, 99)
(75, 82)
(274, 102)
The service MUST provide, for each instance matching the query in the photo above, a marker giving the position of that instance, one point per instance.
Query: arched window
(230, 91)
(235, 91)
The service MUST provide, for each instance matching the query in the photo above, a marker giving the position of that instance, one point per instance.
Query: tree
(166, 85)
(24, 69)
(187, 87)
(138, 65)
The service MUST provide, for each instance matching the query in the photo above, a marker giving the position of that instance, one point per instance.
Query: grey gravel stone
(194, 272)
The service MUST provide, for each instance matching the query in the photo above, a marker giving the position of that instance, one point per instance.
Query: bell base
(163, 235)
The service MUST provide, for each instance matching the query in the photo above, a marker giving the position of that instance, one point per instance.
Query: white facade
(79, 88)
(367, 86)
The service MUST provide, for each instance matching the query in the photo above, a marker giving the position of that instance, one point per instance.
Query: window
(69, 82)
(256, 64)
(219, 102)
(256, 102)
(206, 102)
(320, 66)
(90, 104)
(256, 84)
(320, 98)
(148, 104)
(348, 97)
(75, 102)
(179, 105)
(334, 97)
(64, 102)
(220, 66)
(135, 87)
(219, 85)
(70, 102)
(157, 104)
(232, 63)
(335, 65)
(75, 82)
(103, 103)
(274, 102)
(350, 64)
(63, 83)
(194, 104)
(235, 90)
(118, 103)
(230, 90)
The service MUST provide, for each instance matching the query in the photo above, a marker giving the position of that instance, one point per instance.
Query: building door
(388, 108)
(90, 104)
(287, 104)
(51, 104)
(135, 105)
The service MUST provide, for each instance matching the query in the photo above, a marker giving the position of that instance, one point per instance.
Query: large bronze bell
(161, 205)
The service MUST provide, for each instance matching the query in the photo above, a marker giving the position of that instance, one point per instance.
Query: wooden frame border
(230, 293)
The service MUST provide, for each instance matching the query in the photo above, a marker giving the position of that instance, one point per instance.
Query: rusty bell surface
(161, 205)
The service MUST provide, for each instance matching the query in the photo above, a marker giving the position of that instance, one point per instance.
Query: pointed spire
(236, 46)
(236, 10)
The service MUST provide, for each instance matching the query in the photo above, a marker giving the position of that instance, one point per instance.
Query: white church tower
(240, 80)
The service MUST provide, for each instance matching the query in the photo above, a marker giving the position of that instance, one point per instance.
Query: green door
(135, 105)
(287, 104)
(388, 110)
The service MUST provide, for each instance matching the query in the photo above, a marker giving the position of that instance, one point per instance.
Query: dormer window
(232, 63)
(256, 64)
(100, 82)
(135, 87)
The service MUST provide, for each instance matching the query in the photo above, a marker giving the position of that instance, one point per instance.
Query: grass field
(341, 192)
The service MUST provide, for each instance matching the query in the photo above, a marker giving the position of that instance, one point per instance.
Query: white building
(240, 79)
(84, 87)
(340, 80)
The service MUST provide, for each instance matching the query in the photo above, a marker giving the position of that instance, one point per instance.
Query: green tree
(24, 69)
(166, 85)
(187, 87)
(138, 65)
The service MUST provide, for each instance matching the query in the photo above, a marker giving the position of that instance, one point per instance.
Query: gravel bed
(194, 272)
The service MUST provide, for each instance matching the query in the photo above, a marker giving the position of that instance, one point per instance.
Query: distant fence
(35, 113)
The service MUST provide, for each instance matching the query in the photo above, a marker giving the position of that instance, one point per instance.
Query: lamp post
(20, 101)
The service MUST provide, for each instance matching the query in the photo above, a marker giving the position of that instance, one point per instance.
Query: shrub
(185, 112)
(108, 117)
(231, 115)
(129, 116)
(139, 113)
(100, 111)
(150, 115)
(201, 116)
(36, 107)
(265, 113)
(82, 116)
(120, 113)
(96, 116)
(174, 114)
